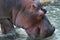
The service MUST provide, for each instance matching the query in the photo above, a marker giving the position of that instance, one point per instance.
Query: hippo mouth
(41, 30)
(36, 33)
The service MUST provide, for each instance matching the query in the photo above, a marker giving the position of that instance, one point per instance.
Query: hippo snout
(46, 28)
(51, 31)
(47, 32)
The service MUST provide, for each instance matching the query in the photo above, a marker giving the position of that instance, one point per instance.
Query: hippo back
(6, 7)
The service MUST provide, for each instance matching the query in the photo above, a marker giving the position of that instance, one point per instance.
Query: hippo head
(31, 17)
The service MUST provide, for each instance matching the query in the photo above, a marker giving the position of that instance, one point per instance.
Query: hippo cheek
(44, 33)
(33, 32)
(46, 29)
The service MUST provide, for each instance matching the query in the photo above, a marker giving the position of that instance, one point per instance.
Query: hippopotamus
(26, 14)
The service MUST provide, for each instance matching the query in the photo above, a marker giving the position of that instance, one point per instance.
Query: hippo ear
(45, 2)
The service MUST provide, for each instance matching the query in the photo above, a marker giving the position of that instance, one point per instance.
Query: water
(53, 14)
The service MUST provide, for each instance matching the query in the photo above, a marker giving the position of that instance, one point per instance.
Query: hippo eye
(35, 7)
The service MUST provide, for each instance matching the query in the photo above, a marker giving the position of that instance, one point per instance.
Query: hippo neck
(14, 15)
